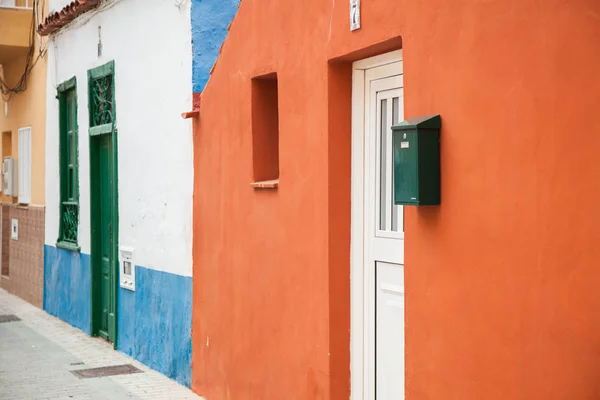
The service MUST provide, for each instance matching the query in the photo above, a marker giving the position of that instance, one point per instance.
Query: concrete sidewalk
(38, 353)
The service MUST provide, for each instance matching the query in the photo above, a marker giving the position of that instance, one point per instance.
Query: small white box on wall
(127, 270)
(14, 230)
(354, 15)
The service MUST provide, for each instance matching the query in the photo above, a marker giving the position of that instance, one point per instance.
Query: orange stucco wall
(501, 279)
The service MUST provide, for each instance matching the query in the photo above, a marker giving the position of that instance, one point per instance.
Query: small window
(69, 165)
(265, 131)
(24, 165)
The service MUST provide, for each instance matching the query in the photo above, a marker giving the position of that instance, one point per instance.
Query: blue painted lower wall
(67, 286)
(154, 322)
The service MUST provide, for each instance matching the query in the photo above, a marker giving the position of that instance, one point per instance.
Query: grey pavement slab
(38, 353)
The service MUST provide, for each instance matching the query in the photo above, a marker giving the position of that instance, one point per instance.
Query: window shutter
(24, 162)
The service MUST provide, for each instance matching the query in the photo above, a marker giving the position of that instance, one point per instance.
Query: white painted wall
(150, 43)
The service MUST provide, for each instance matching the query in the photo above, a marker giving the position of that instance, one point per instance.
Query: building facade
(22, 126)
(309, 283)
(117, 254)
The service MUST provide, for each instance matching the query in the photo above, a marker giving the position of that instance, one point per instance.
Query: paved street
(38, 353)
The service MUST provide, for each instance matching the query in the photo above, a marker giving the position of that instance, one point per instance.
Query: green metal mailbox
(416, 144)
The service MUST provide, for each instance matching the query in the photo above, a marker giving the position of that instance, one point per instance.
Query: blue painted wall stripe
(210, 19)
(154, 321)
(67, 286)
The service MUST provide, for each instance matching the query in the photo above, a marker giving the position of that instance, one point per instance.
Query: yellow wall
(14, 27)
(28, 108)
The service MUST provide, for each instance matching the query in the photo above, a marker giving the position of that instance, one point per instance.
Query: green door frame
(96, 130)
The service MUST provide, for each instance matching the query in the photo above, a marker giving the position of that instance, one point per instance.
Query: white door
(377, 233)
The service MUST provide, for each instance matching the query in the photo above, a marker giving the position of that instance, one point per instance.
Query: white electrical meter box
(14, 231)
(127, 270)
(9, 175)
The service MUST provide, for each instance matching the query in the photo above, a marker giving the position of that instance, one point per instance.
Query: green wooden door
(104, 200)
(104, 240)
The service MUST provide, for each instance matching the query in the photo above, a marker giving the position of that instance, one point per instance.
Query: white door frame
(361, 357)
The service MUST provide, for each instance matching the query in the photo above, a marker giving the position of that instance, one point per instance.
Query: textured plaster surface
(500, 279)
(67, 286)
(210, 22)
(153, 75)
(155, 323)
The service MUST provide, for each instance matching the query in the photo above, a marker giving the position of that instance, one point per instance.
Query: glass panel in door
(389, 112)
